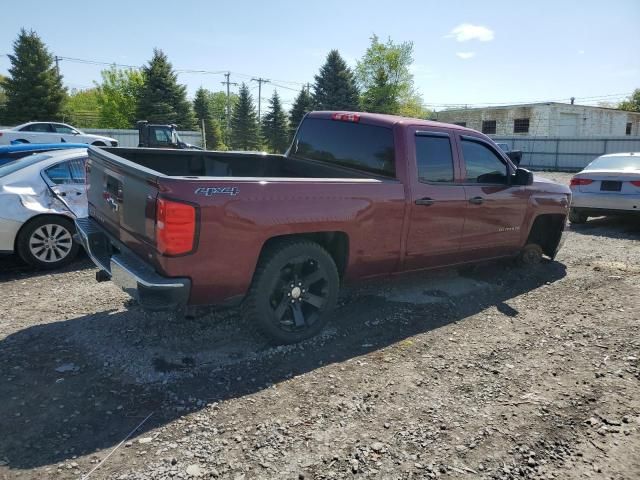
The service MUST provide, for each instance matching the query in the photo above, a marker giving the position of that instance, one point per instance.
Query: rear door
(66, 179)
(39, 133)
(495, 209)
(438, 204)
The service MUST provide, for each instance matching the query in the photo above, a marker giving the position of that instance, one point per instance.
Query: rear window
(16, 165)
(354, 145)
(622, 162)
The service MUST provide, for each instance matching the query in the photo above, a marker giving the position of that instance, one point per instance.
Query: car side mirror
(523, 177)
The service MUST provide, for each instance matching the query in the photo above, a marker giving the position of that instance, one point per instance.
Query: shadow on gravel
(614, 227)
(13, 268)
(71, 388)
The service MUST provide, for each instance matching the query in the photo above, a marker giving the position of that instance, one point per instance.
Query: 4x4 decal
(210, 191)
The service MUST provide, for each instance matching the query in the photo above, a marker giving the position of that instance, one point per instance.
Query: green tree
(162, 99)
(202, 106)
(274, 127)
(117, 97)
(3, 99)
(244, 123)
(335, 87)
(34, 88)
(301, 105)
(81, 108)
(631, 104)
(384, 77)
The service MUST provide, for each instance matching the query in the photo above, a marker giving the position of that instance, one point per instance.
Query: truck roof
(383, 119)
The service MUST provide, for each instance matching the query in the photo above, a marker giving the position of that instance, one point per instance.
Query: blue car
(9, 153)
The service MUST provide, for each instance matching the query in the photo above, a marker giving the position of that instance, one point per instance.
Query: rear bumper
(129, 272)
(605, 201)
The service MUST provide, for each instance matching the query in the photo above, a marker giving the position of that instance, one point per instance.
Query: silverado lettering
(361, 195)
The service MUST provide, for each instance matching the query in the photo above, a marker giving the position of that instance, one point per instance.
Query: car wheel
(531, 254)
(47, 242)
(294, 287)
(99, 144)
(576, 217)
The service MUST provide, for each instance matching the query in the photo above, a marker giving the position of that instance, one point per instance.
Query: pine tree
(335, 87)
(244, 123)
(34, 88)
(301, 105)
(274, 126)
(162, 98)
(203, 109)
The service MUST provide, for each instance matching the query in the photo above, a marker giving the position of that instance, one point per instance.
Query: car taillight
(580, 181)
(346, 117)
(175, 227)
(635, 183)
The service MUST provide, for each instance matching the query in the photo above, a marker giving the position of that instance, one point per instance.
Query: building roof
(535, 104)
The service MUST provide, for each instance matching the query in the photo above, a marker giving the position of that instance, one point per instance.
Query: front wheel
(295, 285)
(47, 242)
(577, 217)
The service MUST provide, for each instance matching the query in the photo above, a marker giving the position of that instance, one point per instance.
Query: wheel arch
(34, 218)
(335, 242)
(546, 231)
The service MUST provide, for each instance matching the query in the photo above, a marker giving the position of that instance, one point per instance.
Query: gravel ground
(501, 372)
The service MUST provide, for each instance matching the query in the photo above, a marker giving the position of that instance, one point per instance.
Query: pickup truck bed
(356, 196)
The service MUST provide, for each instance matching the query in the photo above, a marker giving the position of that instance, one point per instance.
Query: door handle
(425, 201)
(476, 200)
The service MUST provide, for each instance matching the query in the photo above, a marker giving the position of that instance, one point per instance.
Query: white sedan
(40, 196)
(610, 185)
(52, 132)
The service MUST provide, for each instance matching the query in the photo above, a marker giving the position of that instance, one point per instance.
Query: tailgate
(122, 198)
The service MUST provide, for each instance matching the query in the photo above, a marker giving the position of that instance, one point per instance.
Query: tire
(99, 144)
(294, 287)
(576, 217)
(530, 255)
(47, 243)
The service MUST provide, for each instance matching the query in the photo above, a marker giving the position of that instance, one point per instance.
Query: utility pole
(228, 83)
(260, 81)
(57, 59)
(308, 88)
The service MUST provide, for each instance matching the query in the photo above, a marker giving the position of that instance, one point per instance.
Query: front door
(496, 209)
(437, 203)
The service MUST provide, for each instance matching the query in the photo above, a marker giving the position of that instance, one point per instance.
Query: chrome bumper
(128, 271)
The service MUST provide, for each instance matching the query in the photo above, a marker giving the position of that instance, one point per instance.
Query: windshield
(622, 162)
(16, 165)
(175, 138)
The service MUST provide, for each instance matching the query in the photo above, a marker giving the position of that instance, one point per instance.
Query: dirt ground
(500, 372)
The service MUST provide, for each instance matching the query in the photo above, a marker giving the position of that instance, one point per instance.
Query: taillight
(175, 227)
(346, 117)
(635, 183)
(580, 181)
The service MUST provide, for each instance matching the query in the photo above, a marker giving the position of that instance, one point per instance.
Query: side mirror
(523, 177)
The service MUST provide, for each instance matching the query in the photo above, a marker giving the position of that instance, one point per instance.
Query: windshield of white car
(16, 165)
(621, 162)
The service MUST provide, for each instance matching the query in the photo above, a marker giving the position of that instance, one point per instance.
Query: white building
(549, 119)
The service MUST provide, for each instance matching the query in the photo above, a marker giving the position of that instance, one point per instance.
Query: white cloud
(466, 31)
(465, 55)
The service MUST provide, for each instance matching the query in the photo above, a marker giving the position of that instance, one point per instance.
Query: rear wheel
(295, 285)
(531, 254)
(576, 216)
(47, 242)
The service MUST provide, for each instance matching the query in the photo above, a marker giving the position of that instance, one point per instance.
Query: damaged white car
(40, 196)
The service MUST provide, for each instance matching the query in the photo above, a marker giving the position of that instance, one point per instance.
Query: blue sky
(465, 52)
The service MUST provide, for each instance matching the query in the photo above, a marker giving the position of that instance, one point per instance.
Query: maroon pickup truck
(357, 195)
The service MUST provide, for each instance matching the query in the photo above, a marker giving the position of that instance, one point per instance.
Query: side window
(434, 159)
(37, 127)
(161, 135)
(77, 168)
(483, 165)
(59, 174)
(59, 128)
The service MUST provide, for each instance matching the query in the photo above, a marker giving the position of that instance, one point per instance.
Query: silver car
(40, 196)
(609, 185)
